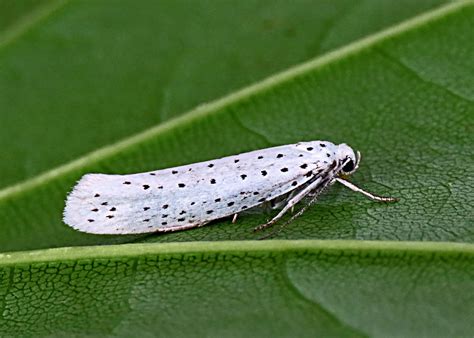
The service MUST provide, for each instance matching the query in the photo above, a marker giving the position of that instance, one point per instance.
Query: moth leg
(365, 193)
(234, 218)
(317, 192)
(289, 198)
(281, 201)
(292, 202)
(314, 197)
(299, 213)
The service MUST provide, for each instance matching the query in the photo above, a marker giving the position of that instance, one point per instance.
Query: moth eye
(348, 167)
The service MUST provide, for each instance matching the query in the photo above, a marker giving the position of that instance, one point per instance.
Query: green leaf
(258, 289)
(79, 75)
(407, 112)
(403, 97)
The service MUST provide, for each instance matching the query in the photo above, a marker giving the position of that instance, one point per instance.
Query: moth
(193, 195)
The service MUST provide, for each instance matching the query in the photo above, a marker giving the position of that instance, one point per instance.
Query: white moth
(192, 195)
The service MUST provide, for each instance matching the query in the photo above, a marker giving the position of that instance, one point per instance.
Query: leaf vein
(418, 76)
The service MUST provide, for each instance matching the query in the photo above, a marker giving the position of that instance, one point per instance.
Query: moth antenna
(371, 196)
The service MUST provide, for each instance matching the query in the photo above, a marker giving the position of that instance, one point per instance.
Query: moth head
(348, 159)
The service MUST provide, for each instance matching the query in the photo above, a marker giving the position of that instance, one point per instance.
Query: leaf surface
(273, 288)
(408, 115)
(402, 96)
(77, 75)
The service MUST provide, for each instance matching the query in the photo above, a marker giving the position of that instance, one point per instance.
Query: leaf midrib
(217, 105)
(390, 248)
(28, 21)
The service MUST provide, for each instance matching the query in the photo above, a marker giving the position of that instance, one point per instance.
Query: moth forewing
(193, 195)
